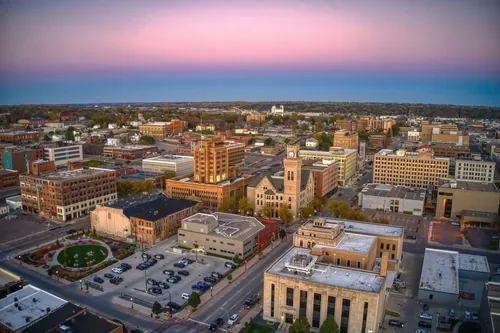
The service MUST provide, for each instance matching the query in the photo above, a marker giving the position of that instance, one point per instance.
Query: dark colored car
(155, 290)
(152, 281)
(187, 260)
(183, 273)
(98, 279)
(109, 276)
(174, 305)
(212, 327)
(168, 272)
(146, 255)
(179, 265)
(219, 322)
(425, 307)
(424, 324)
(163, 285)
(71, 231)
(397, 323)
(159, 256)
(116, 280)
(125, 266)
(173, 279)
(217, 275)
(210, 279)
(153, 261)
(229, 264)
(141, 267)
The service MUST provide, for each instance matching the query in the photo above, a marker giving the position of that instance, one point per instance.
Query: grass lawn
(258, 328)
(94, 163)
(81, 254)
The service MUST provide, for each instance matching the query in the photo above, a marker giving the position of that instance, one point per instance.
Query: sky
(426, 51)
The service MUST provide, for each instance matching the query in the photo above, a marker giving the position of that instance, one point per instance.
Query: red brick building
(8, 179)
(269, 234)
(19, 137)
(42, 167)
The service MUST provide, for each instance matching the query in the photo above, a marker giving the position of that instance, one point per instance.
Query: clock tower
(293, 167)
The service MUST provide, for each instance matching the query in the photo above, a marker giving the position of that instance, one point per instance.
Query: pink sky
(186, 35)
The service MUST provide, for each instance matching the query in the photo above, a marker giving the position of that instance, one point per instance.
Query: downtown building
(345, 139)
(414, 170)
(161, 130)
(130, 152)
(347, 159)
(336, 268)
(62, 155)
(67, 195)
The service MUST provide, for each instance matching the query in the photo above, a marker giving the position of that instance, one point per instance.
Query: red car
(468, 296)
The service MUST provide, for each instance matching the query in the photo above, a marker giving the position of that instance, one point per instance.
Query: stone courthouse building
(336, 268)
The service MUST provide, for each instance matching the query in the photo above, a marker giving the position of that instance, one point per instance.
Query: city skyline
(59, 52)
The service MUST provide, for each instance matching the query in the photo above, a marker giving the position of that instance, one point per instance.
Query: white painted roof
(356, 243)
(474, 263)
(362, 227)
(440, 271)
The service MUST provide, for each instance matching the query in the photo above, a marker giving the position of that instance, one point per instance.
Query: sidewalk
(221, 286)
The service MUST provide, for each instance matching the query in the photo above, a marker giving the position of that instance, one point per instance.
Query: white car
(117, 270)
(233, 319)
(468, 315)
(424, 315)
(185, 296)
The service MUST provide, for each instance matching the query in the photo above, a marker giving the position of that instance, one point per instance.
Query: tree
(47, 138)
(285, 214)
(381, 220)
(125, 140)
(169, 174)
(194, 300)
(70, 133)
(282, 234)
(147, 140)
(269, 142)
(329, 326)
(230, 277)
(244, 206)
(395, 130)
(228, 205)
(318, 202)
(304, 127)
(157, 308)
(300, 325)
(306, 212)
(266, 212)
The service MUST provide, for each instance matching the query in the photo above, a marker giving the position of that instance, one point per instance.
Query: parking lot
(445, 233)
(479, 238)
(20, 225)
(415, 227)
(134, 280)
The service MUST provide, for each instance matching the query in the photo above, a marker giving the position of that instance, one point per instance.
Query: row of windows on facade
(208, 240)
(316, 313)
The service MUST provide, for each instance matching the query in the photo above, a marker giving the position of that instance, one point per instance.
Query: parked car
(179, 265)
(468, 315)
(117, 270)
(250, 301)
(451, 313)
(155, 290)
(497, 270)
(183, 273)
(141, 267)
(213, 327)
(219, 321)
(421, 330)
(229, 264)
(116, 280)
(173, 279)
(210, 279)
(400, 283)
(468, 296)
(185, 296)
(174, 305)
(168, 272)
(152, 261)
(424, 324)
(187, 261)
(159, 256)
(125, 266)
(425, 315)
(146, 256)
(425, 307)
(396, 323)
(233, 319)
(98, 279)
(109, 276)
(163, 285)
(152, 281)
(217, 275)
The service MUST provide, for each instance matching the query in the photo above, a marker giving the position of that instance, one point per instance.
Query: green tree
(47, 138)
(70, 133)
(395, 129)
(125, 140)
(300, 325)
(169, 174)
(230, 277)
(244, 206)
(329, 326)
(285, 214)
(318, 202)
(157, 308)
(194, 300)
(266, 212)
(319, 126)
(381, 220)
(306, 212)
(269, 142)
(147, 140)
(304, 127)
(228, 205)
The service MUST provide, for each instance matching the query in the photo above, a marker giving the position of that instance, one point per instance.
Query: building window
(330, 311)
(359, 264)
(387, 247)
(272, 299)
(338, 261)
(316, 310)
(365, 315)
(289, 296)
(344, 320)
(394, 247)
(303, 303)
(381, 246)
(392, 256)
(288, 318)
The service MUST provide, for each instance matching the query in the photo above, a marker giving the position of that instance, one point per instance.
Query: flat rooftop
(74, 174)
(473, 263)
(131, 147)
(7, 277)
(360, 227)
(440, 271)
(230, 226)
(141, 175)
(190, 179)
(32, 304)
(300, 264)
(168, 159)
(390, 191)
(468, 185)
(356, 243)
(336, 152)
(7, 171)
(475, 213)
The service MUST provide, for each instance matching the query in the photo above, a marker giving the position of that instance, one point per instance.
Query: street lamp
(227, 313)
(20, 262)
(145, 277)
(132, 303)
(196, 249)
(81, 284)
(211, 289)
(57, 275)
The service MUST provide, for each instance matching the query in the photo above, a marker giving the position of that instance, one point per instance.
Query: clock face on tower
(291, 154)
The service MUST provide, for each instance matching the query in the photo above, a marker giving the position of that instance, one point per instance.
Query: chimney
(384, 263)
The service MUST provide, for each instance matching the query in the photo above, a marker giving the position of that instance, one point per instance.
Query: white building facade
(475, 170)
(63, 155)
(181, 165)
